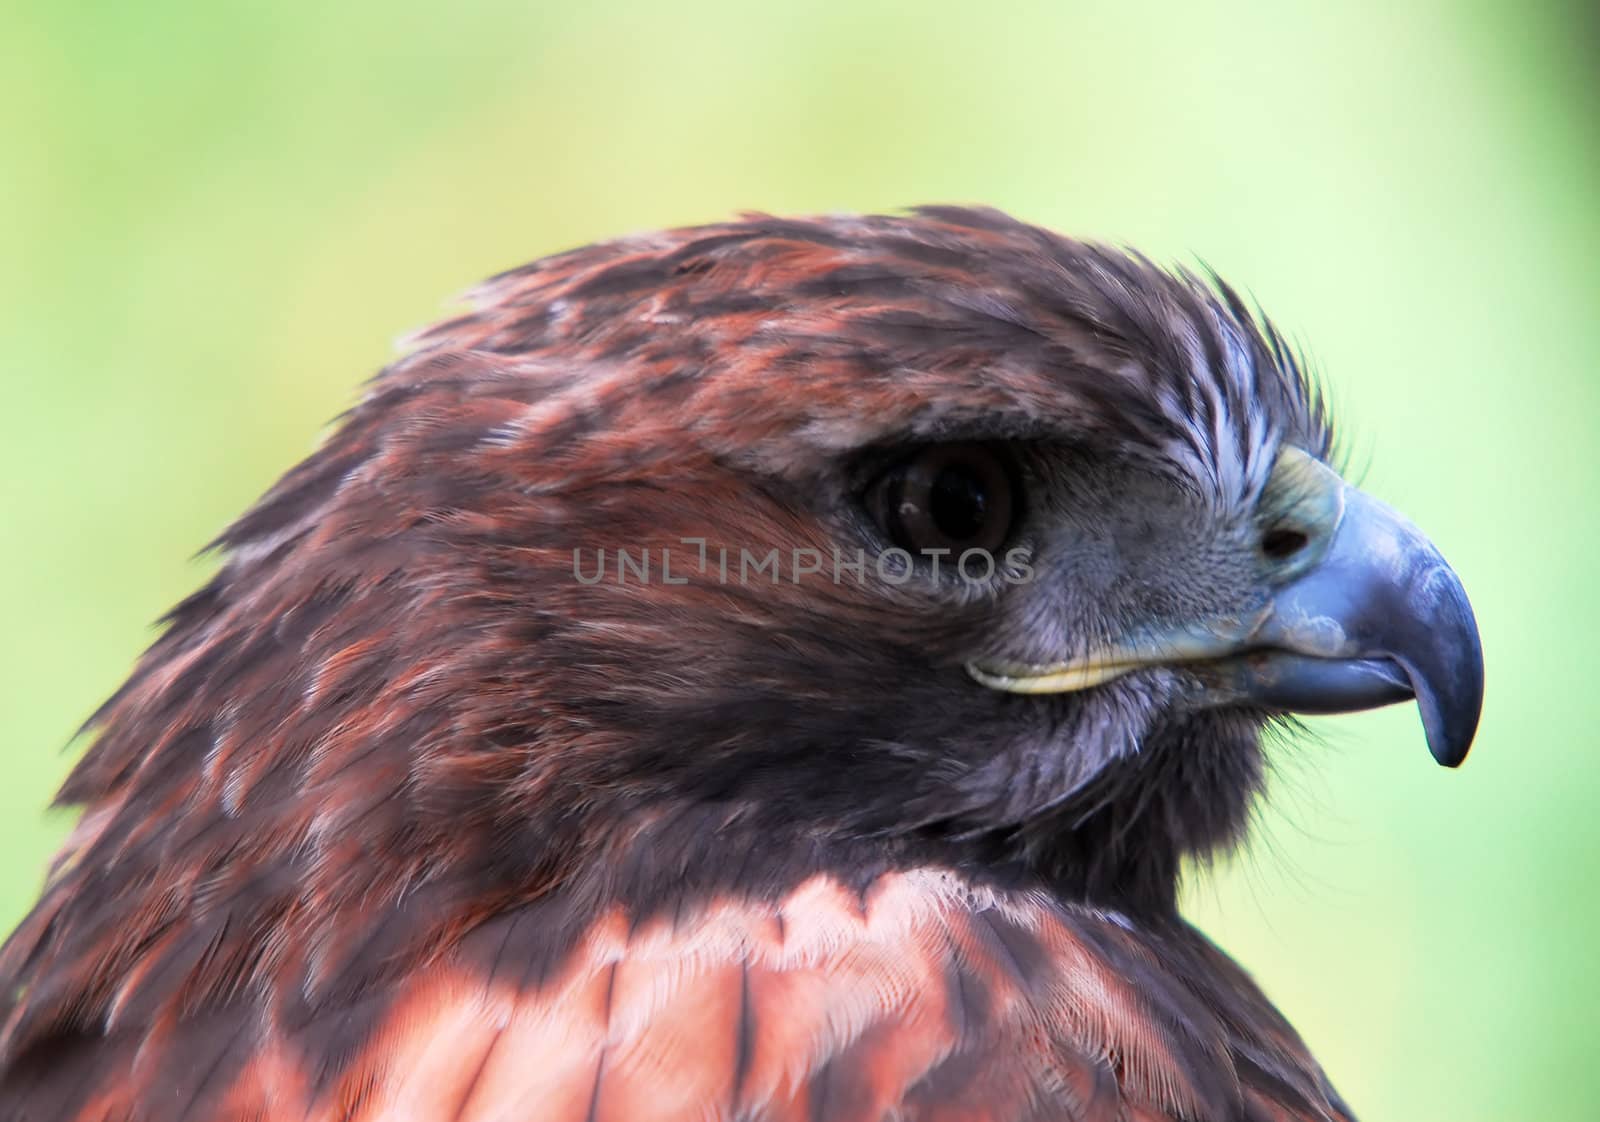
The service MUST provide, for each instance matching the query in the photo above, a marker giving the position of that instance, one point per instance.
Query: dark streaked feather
(387, 777)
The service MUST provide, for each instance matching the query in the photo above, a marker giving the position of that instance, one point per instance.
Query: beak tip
(1419, 616)
(1451, 740)
(1451, 721)
(1447, 754)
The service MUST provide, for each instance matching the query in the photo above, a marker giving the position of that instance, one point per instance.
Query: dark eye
(951, 497)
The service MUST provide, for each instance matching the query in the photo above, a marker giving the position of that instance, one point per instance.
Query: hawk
(763, 672)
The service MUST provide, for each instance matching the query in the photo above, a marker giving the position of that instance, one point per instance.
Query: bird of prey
(765, 672)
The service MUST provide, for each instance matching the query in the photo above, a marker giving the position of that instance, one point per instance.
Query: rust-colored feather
(400, 818)
(930, 999)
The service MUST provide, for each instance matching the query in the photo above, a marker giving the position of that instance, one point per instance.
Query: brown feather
(398, 819)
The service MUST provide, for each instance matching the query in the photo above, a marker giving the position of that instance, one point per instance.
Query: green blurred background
(215, 221)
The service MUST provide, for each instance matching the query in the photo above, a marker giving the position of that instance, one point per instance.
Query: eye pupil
(950, 498)
(959, 504)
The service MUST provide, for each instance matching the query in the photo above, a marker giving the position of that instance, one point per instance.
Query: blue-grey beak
(1379, 618)
(1362, 612)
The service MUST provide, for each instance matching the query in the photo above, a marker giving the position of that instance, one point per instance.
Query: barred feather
(399, 819)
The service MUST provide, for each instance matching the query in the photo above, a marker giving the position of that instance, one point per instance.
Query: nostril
(1282, 544)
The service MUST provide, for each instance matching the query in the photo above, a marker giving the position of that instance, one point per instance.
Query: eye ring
(947, 499)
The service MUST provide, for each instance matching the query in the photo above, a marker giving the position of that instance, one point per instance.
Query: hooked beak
(1370, 617)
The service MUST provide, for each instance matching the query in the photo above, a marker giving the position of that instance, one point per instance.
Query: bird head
(940, 531)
